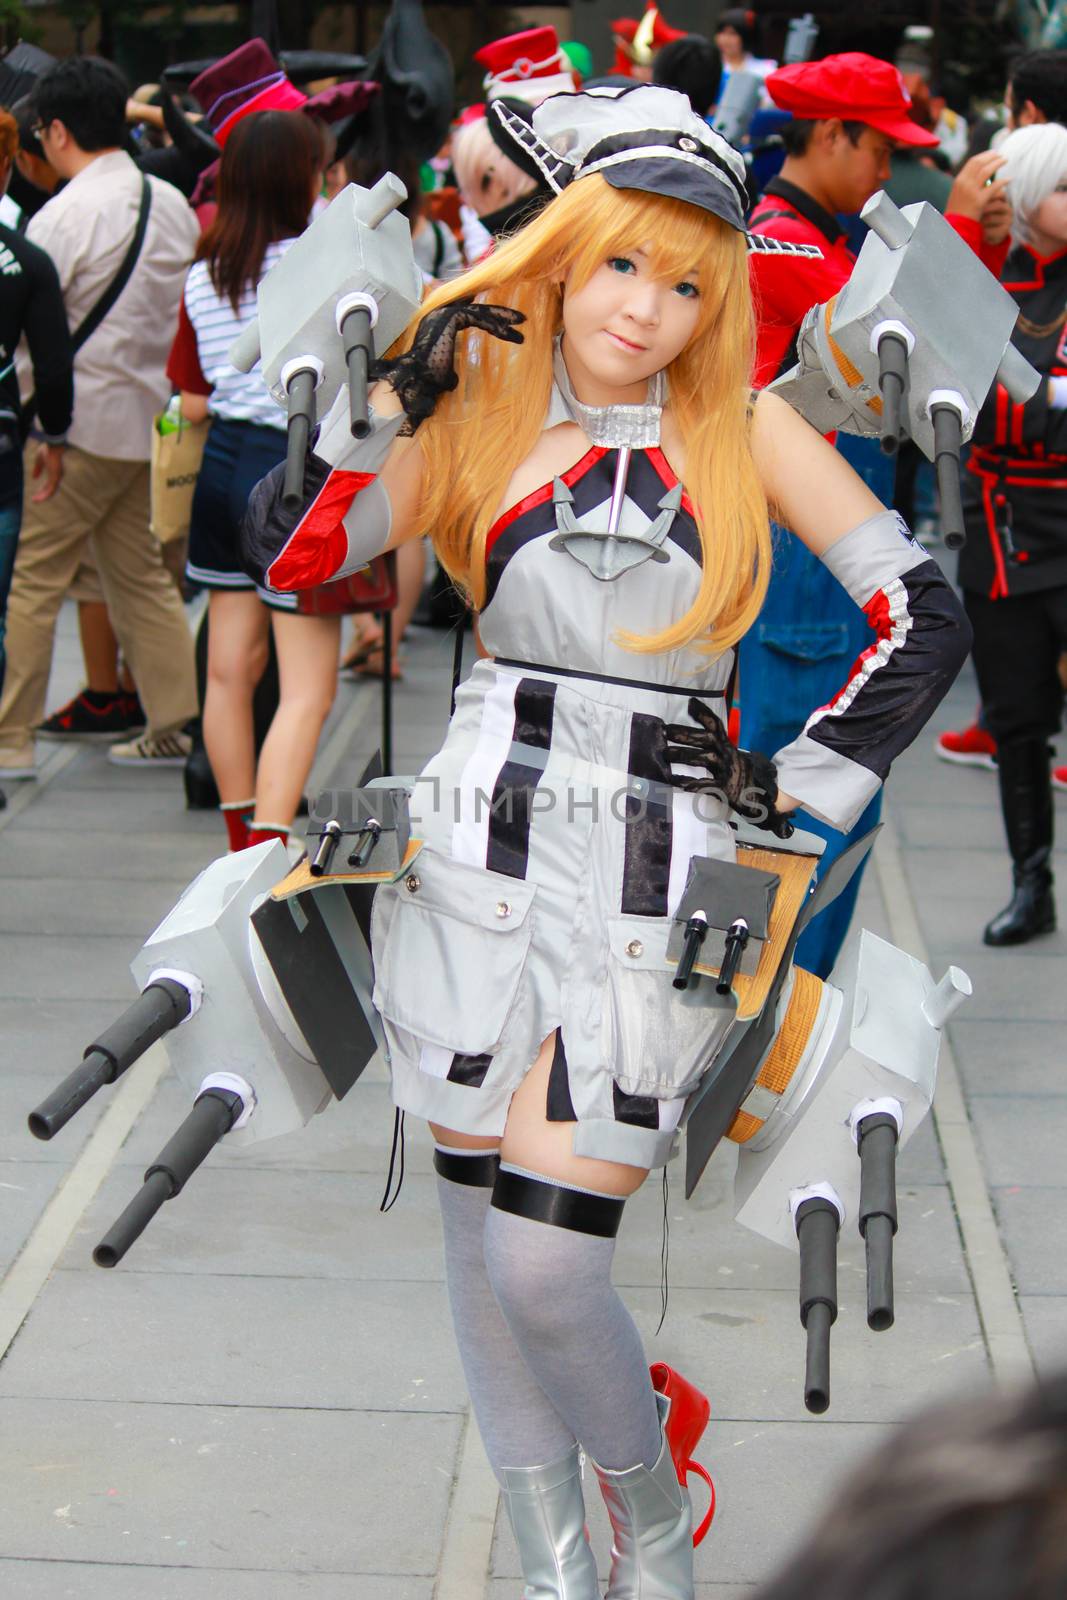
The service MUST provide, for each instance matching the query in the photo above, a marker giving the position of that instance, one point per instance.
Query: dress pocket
(663, 1039)
(450, 942)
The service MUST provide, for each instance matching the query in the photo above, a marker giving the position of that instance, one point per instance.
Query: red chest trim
(537, 497)
(663, 470)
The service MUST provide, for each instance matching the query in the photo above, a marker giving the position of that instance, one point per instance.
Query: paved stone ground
(264, 1400)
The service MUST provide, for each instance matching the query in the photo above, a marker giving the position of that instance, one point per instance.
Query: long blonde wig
(481, 432)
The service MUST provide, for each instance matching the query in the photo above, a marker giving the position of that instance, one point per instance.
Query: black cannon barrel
(817, 1224)
(948, 441)
(212, 1116)
(736, 940)
(365, 843)
(877, 1137)
(358, 340)
(332, 835)
(696, 930)
(892, 382)
(158, 1009)
(301, 392)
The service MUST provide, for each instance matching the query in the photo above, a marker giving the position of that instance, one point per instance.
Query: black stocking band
(476, 1171)
(544, 1201)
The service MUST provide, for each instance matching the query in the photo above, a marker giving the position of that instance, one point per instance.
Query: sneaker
(14, 770)
(152, 750)
(971, 748)
(1059, 777)
(91, 716)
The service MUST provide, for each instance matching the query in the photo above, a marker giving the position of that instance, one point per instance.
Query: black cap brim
(681, 180)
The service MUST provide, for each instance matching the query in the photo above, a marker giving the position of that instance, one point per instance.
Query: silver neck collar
(613, 427)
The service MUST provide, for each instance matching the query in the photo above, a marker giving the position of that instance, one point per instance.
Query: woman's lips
(626, 344)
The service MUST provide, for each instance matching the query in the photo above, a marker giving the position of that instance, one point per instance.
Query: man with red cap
(849, 112)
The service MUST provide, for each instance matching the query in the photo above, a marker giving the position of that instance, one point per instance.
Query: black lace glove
(745, 779)
(427, 371)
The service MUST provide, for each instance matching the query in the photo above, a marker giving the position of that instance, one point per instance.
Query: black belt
(605, 677)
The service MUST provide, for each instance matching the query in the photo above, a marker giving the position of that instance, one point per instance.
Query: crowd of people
(129, 266)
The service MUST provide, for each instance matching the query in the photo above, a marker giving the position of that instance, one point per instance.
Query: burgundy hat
(250, 79)
(854, 87)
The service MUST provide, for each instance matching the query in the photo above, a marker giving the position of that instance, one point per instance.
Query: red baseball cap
(854, 87)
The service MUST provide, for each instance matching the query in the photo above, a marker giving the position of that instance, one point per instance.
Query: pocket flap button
(635, 948)
(503, 909)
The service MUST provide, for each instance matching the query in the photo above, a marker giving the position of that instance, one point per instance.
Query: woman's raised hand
(425, 372)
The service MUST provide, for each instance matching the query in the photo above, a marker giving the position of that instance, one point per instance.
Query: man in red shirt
(850, 111)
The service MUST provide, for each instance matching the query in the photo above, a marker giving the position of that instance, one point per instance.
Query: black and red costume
(1013, 573)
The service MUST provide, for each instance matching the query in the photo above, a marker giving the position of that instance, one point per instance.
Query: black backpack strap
(86, 329)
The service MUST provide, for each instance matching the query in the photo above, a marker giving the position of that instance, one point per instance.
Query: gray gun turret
(819, 1083)
(911, 345)
(349, 286)
(259, 982)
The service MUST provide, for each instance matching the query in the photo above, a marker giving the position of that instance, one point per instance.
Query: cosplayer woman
(521, 967)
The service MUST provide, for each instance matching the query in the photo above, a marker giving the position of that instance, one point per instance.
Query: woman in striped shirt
(268, 179)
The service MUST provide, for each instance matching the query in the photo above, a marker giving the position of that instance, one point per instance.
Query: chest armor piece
(609, 551)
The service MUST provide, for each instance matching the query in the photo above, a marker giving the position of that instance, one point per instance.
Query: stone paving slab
(1045, 1317)
(224, 1486)
(172, 855)
(101, 906)
(72, 1580)
(981, 878)
(939, 828)
(77, 815)
(1022, 1148)
(306, 1223)
(1033, 1224)
(953, 931)
(190, 1340)
(25, 1190)
(280, 1223)
(354, 1136)
(1015, 1057)
(32, 965)
(748, 1347)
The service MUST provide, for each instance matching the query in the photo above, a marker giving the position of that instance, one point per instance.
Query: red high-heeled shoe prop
(686, 1421)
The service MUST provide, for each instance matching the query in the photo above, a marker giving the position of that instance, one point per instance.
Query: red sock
(237, 814)
(260, 832)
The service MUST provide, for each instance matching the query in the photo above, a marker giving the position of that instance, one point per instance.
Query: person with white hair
(1013, 569)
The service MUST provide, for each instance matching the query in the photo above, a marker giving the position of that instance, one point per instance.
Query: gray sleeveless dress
(555, 850)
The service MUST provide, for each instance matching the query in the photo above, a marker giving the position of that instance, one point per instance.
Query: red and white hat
(528, 66)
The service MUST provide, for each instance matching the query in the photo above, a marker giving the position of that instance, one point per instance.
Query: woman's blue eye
(687, 290)
(621, 264)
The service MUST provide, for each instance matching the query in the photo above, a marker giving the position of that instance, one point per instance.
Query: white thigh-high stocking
(518, 1423)
(548, 1250)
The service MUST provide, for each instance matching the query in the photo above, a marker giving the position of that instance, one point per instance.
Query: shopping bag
(175, 466)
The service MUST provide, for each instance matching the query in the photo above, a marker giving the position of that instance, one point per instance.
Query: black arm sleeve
(48, 336)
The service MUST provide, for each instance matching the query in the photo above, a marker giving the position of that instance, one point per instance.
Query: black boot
(1026, 801)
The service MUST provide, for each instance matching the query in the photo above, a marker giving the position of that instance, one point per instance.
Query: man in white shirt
(119, 384)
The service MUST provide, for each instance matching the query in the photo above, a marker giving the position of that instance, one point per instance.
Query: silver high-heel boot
(652, 1527)
(547, 1513)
